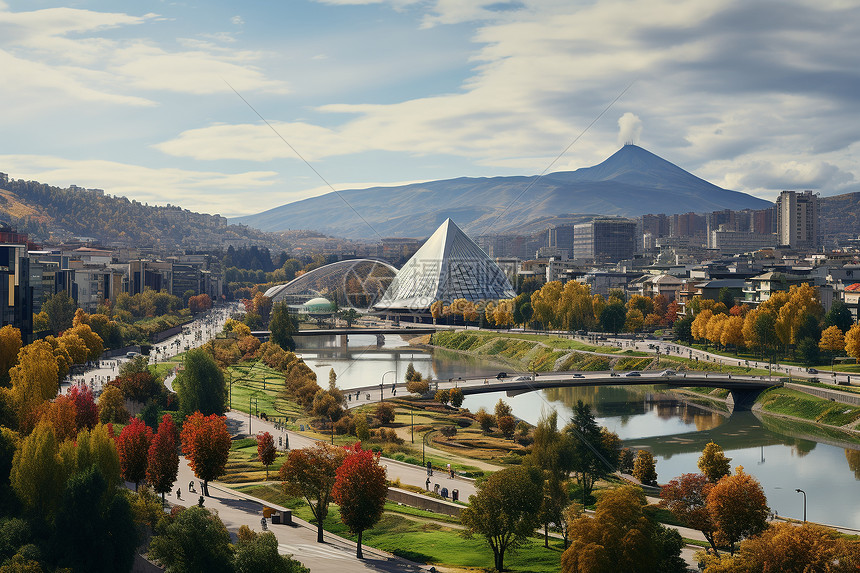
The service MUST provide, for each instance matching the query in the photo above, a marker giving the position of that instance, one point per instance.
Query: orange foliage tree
(132, 445)
(206, 444)
(738, 506)
(360, 490)
(163, 461)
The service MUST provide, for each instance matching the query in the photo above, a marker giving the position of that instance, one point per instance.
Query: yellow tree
(738, 506)
(634, 320)
(598, 303)
(504, 312)
(10, 345)
(489, 312)
(75, 346)
(714, 329)
(436, 310)
(749, 333)
(575, 306)
(37, 475)
(699, 328)
(34, 380)
(832, 340)
(852, 341)
(733, 332)
(545, 302)
(93, 342)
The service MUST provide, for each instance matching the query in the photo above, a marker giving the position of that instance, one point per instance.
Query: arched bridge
(743, 389)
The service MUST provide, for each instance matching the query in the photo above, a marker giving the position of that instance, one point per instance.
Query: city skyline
(138, 99)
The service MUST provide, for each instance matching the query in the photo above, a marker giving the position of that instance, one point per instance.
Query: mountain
(631, 182)
(840, 216)
(49, 213)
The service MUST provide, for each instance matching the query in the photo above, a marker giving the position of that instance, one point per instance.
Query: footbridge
(344, 333)
(743, 389)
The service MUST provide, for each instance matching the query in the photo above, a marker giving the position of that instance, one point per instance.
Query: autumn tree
(485, 420)
(311, 473)
(206, 444)
(794, 548)
(112, 406)
(86, 410)
(37, 475)
(713, 463)
(200, 385)
(832, 340)
(505, 510)
(34, 380)
(443, 396)
(552, 453)
(456, 396)
(732, 332)
(60, 414)
(266, 451)
(133, 444)
(852, 341)
(360, 491)
(644, 467)
(738, 506)
(163, 460)
(687, 498)
(10, 345)
(621, 537)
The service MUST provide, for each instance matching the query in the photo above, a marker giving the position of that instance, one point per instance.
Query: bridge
(344, 333)
(743, 389)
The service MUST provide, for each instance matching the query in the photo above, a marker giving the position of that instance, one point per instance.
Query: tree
(206, 444)
(795, 548)
(34, 380)
(832, 340)
(325, 404)
(443, 396)
(687, 498)
(266, 451)
(633, 321)
(552, 452)
(738, 506)
(839, 316)
(200, 385)
(732, 334)
(852, 341)
(507, 425)
(456, 396)
(505, 511)
(163, 463)
(86, 410)
(726, 297)
(112, 406)
(384, 413)
(612, 317)
(620, 537)
(257, 552)
(360, 490)
(93, 513)
(282, 326)
(311, 473)
(132, 445)
(60, 310)
(195, 541)
(644, 468)
(485, 420)
(37, 475)
(683, 329)
(714, 463)
(10, 345)
(589, 453)
(807, 348)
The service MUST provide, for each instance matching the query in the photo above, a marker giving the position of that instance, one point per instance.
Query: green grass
(257, 381)
(800, 405)
(414, 537)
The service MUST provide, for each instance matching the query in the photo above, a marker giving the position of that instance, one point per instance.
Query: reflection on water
(777, 452)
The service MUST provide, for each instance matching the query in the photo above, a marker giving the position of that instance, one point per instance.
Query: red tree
(199, 303)
(266, 451)
(163, 464)
(206, 444)
(687, 498)
(360, 491)
(86, 409)
(133, 447)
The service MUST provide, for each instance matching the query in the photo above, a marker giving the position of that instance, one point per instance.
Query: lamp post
(254, 400)
(382, 383)
(804, 502)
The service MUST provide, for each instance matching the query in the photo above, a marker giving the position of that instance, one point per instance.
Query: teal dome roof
(318, 304)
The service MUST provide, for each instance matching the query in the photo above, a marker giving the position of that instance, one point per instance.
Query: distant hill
(52, 213)
(840, 216)
(631, 182)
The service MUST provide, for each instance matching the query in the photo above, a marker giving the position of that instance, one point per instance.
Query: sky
(236, 107)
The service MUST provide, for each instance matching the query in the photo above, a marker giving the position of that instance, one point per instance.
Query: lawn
(800, 405)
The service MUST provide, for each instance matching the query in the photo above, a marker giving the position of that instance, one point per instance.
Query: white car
(632, 373)
(667, 373)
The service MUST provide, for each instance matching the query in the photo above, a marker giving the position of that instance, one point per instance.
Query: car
(577, 375)
(521, 378)
(614, 373)
(667, 373)
(132, 354)
(811, 371)
(632, 373)
(501, 375)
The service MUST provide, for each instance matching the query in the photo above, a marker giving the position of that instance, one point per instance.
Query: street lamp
(804, 502)
(254, 400)
(382, 382)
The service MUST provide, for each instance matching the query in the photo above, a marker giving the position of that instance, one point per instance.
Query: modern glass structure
(357, 283)
(448, 266)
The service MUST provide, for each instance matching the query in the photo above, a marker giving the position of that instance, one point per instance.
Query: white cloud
(237, 21)
(629, 128)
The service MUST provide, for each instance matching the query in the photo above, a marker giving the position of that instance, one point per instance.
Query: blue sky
(133, 97)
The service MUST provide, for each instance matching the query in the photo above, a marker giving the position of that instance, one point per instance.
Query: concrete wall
(827, 394)
(423, 502)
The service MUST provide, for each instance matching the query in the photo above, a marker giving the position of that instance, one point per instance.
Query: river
(782, 455)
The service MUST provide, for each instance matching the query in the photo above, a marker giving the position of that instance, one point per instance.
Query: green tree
(808, 351)
(726, 297)
(613, 317)
(282, 326)
(360, 490)
(94, 514)
(196, 541)
(311, 473)
(258, 552)
(38, 476)
(200, 385)
(839, 315)
(683, 329)
(60, 309)
(591, 458)
(505, 511)
(713, 463)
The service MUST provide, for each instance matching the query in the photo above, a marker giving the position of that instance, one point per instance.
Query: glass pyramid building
(448, 266)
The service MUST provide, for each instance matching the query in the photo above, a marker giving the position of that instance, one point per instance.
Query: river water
(783, 456)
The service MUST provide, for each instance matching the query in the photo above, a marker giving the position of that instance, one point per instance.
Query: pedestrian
(429, 469)
(427, 484)
(449, 469)
(263, 523)
(178, 493)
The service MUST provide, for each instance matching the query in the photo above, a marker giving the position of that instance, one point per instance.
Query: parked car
(632, 373)
(501, 375)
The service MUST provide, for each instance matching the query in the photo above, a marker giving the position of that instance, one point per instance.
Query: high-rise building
(16, 297)
(561, 237)
(797, 219)
(605, 240)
